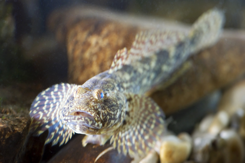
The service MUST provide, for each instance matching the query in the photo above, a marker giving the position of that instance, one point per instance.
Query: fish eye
(99, 94)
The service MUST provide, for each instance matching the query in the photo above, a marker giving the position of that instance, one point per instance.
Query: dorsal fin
(149, 42)
(119, 60)
(204, 32)
(146, 44)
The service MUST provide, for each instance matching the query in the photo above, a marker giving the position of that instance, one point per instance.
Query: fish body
(112, 105)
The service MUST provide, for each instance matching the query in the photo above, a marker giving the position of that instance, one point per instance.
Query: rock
(63, 21)
(226, 147)
(75, 152)
(13, 130)
(233, 103)
(233, 98)
(93, 38)
(175, 149)
(233, 151)
(86, 31)
(220, 137)
(15, 145)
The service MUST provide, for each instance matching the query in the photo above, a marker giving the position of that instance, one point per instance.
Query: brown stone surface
(92, 40)
(13, 130)
(233, 98)
(90, 37)
(62, 21)
(93, 36)
(15, 100)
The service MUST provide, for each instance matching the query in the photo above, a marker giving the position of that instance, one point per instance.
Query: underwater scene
(129, 81)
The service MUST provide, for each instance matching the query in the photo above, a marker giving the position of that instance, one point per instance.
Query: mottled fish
(112, 105)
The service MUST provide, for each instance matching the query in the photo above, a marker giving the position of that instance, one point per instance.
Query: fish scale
(112, 105)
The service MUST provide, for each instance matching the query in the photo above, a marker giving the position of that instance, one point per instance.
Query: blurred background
(32, 58)
(28, 50)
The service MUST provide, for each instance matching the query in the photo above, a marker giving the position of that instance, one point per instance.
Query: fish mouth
(82, 113)
(82, 120)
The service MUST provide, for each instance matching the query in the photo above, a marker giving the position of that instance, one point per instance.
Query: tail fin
(206, 29)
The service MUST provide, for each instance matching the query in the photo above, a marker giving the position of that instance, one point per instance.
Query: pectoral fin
(142, 128)
(46, 110)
